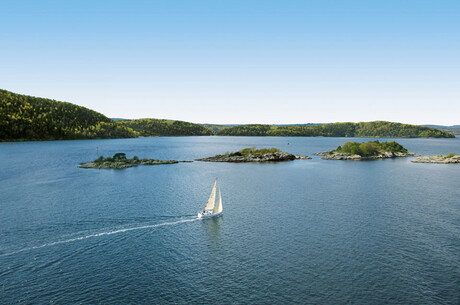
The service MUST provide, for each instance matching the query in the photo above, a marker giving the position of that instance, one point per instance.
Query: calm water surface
(306, 231)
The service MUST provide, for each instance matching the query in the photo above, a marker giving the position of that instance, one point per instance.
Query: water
(306, 231)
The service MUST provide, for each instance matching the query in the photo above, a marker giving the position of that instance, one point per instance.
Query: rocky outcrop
(125, 163)
(271, 157)
(332, 155)
(439, 159)
(302, 157)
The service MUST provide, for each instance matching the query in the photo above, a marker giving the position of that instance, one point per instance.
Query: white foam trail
(100, 234)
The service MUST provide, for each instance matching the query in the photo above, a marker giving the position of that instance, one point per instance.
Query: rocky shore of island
(328, 155)
(255, 155)
(119, 161)
(302, 157)
(438, 159)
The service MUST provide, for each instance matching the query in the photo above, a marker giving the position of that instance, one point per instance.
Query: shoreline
(56, 140)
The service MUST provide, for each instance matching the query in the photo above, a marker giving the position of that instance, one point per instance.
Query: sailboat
(213, 208)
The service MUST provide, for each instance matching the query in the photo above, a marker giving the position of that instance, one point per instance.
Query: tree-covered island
(119, 161)
(251, 154)
(371, 150)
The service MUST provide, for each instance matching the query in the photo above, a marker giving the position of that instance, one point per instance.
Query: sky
(238, 62)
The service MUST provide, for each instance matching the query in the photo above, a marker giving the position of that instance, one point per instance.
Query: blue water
(306, 231)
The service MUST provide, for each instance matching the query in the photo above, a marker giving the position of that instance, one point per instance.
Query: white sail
(212, 198)
(218, 207)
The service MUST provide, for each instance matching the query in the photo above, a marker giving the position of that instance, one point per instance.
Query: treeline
(157, 127)
(247, 130)
(31, 118)
(25, 117)
(363, 129)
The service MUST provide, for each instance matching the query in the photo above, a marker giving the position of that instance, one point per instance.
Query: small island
(119, 161)
(372, 150)
(252, 154)
(439, 159)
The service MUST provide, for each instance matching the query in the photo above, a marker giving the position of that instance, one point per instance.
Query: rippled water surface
(306, 231)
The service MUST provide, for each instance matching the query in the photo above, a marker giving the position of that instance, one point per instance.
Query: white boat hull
(208, 215)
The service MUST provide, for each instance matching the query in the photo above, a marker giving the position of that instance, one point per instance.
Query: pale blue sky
(239, 61)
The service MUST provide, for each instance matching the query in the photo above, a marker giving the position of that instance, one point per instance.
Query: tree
(119, 156)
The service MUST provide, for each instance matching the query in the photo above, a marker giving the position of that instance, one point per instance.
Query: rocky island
(119, 161)
(255, 155)
(372, 150)
(439, 159)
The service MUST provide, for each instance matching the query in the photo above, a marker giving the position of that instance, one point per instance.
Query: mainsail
(218, 206)
(212, 198)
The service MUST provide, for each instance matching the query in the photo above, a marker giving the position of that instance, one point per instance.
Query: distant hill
(443, 126)
(25, 117)
(455, 129)
(158, 127)
(218, 127)
(363, 129)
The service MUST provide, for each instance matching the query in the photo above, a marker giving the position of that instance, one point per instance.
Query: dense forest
(30, 118)
(157, 127)
(25, 117)
(363, 129)
(215, 128)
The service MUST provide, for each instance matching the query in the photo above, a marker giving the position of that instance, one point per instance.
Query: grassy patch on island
(253, 151)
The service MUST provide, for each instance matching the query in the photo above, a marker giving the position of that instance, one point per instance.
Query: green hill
(215, 128)
(363, 129)
(25, 117)
(158, 127)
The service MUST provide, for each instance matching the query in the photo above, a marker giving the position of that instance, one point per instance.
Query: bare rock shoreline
(438, 159)
(121, 164)
(270, 157)
(344, 156)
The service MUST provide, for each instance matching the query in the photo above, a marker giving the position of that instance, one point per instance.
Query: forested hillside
(31, 118)
(216, 127)
(25, 117)
(157, 127)
(363, 129)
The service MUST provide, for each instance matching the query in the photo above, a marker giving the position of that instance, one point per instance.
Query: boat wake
(117, 231)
